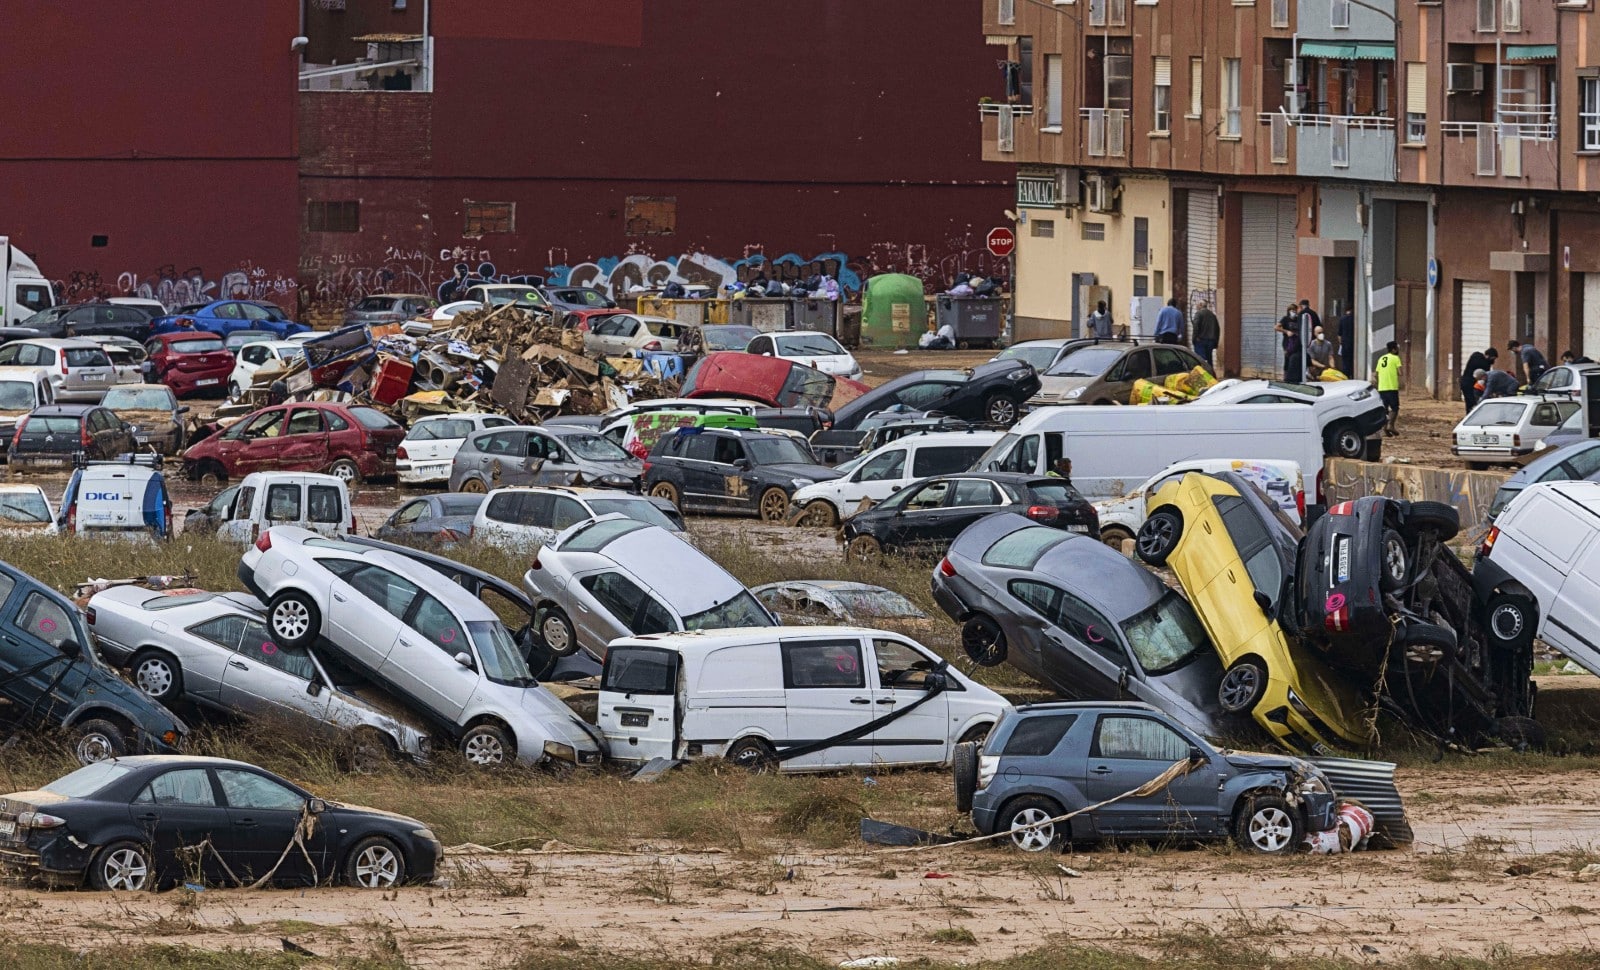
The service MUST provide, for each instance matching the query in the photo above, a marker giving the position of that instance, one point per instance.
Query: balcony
(1000, 124)
(1485, 153)
(1105, 132)
(1333, 146)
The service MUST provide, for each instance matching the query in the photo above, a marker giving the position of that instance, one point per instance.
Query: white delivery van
(888, 469)
(748, 694)
(1120, 518)
(23, 289)
(125, 498)
(265, 500)
(1538, 571)
(1114, 448)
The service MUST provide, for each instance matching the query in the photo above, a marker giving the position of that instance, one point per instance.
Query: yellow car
(1233, 552)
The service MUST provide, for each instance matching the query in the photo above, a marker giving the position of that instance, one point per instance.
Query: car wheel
(346, 471)
(1242, 686)
(294, 619)
(371, 750)
(984, 641)
(1434, 517)
(1521, 733)
(865, 550)
(158, 675)
(1345, 441)
(1510, 620)
(1395, 566)
(976, 734)
(820, 513)
(1159, 535)
(774, 505)
(666, 490)
(964, 771)
(1001, 410)
(123, 866)
(98, 739)
(213, 476)
(752, 754)
(1023, 817)
(1268, 825)
(1114, 536)
(556, 632)
(235, 392)
(375, 863)
(1427, 641)
(488, 746)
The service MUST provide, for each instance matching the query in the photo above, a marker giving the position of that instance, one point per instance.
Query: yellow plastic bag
(1332, 374)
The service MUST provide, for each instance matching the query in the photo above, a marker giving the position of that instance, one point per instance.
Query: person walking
(1530, 362)
(1289, 326)
(1387, 372)
(1100, 322)
(1169, 323)
(1207, 334)
(1477, 365)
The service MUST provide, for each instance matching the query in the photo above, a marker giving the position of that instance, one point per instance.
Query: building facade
(1426, 166)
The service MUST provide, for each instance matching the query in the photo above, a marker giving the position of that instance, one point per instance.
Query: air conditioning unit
(1100, 194)
(1465, 78)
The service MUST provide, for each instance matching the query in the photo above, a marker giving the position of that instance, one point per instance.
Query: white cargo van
(888, 469)
(1538, 570)
(1114, 448)
(23, 289)
(748, 694)
(266, 500)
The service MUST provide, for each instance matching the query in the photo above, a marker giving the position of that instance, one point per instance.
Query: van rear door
(638, 712)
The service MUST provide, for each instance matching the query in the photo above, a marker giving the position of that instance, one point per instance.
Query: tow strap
(939, 685)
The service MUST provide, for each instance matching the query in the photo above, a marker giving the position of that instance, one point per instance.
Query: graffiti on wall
(174, 287)
(617, 276)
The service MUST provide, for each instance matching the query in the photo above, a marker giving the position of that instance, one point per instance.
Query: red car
(350, 441)
(189, 361)
(579, 320)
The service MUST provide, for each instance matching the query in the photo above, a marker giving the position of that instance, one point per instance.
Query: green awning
(1374, 52)
(1347, 52)
(1530, 52)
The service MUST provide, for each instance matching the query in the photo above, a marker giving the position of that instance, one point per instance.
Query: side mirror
(1123, 679)
(556, 456)
(936, 680)
(182, 409)
(316, 806)
(464, 659)
(314, 689)
(71, 649)
(741, 463)
(1263, 602)
(1197, 756)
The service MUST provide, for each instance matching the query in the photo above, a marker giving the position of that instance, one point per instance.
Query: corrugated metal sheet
(1372, 784)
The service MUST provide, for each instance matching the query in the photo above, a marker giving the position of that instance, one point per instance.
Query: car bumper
(247, 578)
(1297, 727)
(1475, 453)
(984, 817)
(55, 856)
(418, 472)
(40, 462)
(1371, 422)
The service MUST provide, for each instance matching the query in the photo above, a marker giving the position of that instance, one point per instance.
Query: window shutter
(1417, 88)
(1197, 71)
(1163, 72)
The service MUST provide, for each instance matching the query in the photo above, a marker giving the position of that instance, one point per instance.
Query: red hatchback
(189, 361)
(351, 441)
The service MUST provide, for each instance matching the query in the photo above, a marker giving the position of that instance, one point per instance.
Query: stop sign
(1002, 241)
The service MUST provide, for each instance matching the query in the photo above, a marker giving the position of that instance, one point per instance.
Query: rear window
(87, 357)
(324, 505)
(23, 507)
(196, 346)
(1037, 736)
(640, 508)
(373, 419)
(600, 534)
(52, 425)
(140, 399)
(171, 600)
(1054, 493)
(639, 670)
(945, 460)
(439, 430)
(1023, 548)
(17, 396)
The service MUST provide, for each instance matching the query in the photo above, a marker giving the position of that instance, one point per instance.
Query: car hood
(1057, 386)
(1261, 761)
(557, 718)
(369, 810)
(815, 473)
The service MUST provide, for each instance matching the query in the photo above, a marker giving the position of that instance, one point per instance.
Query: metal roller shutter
(1267, 276)
(1202, 228)
(1591, 314)
(1475, 317)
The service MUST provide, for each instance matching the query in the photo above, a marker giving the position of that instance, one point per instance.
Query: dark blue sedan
(223, 317)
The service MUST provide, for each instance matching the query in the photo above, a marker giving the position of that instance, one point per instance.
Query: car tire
(1394, 562)
(752, 754)
(294, 619)
(1242, 686)
(1344, 440)
(346, 471)
(1114, 536)
(370, 750)
(375, 863)
(1510, 619)
(488, 746)
(235, 392)
(1000, 409)
(773, 505)
(977, 734)
(1159, 535)
(557, 633)
(1478, 466)
(1429, 636)
(123, 866)
(1028, 810)
(158, 675)
(213, 476)
(821, 514)
(1433, 517)
(1268, 825)
(668, 491)
(1521, 733)
(98, 739)
(964, 772)
(984, 641)
(865, 550)
(473, 486)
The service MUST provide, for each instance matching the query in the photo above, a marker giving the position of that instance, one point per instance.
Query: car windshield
(1086, 362)
(727, 337)
(502, 661)
(875, 603)
(23, 507)
(196, 346)
(1496, 414)
(846, 468)
(1038, 355)
(1023, 548)
(138, 399)
(16, 396)
(521, 297)
(598, 535)
(775, 450)
(641, 509)
(88, 779)
(1309, 390)
(1165, 636)
(595, 447)
(239, 338)
(742, 610)
(800, 344)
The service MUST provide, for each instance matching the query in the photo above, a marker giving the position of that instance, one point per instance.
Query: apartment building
(1428, 165)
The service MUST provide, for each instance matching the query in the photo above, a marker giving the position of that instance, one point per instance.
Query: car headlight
(1074, 394)
(1020, 374)
(560, 752)
(620, 480)
(425, 835)
(1313, 785)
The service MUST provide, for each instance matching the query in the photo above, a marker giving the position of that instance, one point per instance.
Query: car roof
(1074, 556)
(666, 564)
(1546, 460)
(1584, 493)
(195, 335)
(1047, 707)
(923, 438)
(692, 640)
(317, 478)
(574, 490)
(469, 606)
(69, 410)
(199, 761)
(61, 342)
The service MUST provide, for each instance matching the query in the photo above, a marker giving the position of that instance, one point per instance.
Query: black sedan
(926, 516)
(731, 470)
(55, 435)
(133, 824)
(992, 393)
(90, 320)
(443, 519)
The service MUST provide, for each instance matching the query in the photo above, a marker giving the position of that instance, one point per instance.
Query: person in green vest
(1387, 372)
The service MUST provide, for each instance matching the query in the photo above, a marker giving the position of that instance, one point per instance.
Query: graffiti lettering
(176, 288)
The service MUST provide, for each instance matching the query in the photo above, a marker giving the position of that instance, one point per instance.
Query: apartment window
(1162, 115)
(1042, 228)
(1025, 70)
(1232, 117)
(1161, 283)
(1141, 285)
(1589, 112)
(1053, 93)
(487, 217)
(1118, 13)
(1486, 14)
(333, 216)
(1097, 13)
(1007, 12)
(1197, 72)
(1141, 243)
(1339, 13)
(1094, 231)
(1511, 15)
(1280, 13)
(651, 215)
(1416, 103)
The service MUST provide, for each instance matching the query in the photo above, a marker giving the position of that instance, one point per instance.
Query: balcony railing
(1486, 134)
(1535, 122)
(1108, 132)
(1006, 116)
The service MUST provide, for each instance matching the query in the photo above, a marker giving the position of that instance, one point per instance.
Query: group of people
(1319, 354)
(1482, 379)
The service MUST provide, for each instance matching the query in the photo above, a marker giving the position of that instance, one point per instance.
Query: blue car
(223, 317)
(1575, 461)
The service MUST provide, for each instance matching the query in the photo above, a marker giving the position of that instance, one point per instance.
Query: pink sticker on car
(47, 625)
(1334, 604)
(448, 636)
(269, 648)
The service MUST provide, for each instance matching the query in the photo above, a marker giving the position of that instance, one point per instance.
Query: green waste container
(894, 312)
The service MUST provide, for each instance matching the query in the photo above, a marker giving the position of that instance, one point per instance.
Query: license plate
(143, 439)
(207, 381)
(1485, 439)
(8, 828)
(94, 377)
(1343, 572)
(1077, 528)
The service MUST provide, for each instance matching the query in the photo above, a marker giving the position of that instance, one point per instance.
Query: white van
(1538, 571)
(125, 498)
(1114, 448)
(747, 694)
(1282, 482)
(265, 500)
(887, 470)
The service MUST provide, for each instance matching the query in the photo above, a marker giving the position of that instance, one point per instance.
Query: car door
(900, 673)
(607, 604)
(285, 504)
(433, 659)
(493, 456)
(304, 446)
(548, 463)
(28, 641)
(178, 811)
(257, 446)
(919, 520)
(1082, 652)
(1129, 750)
(970, 500)
(825, 684)
(878, 478)
(1169, 361)
(1135, 365)
(264, 816)
(263, 678)
(401, 523)
(708, 459)
(367, 606)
